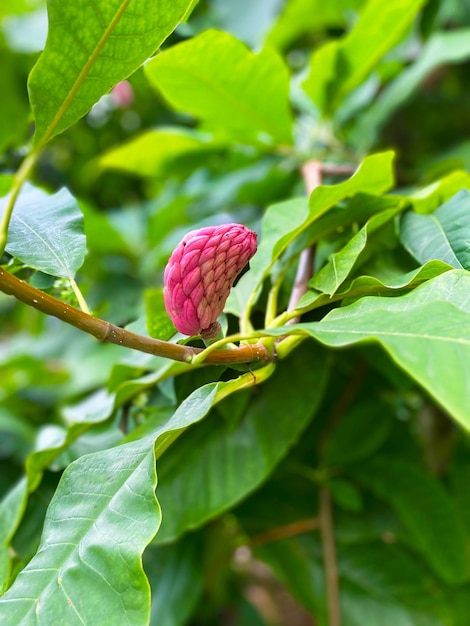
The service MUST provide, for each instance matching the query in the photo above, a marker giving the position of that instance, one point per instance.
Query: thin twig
(329, 558)
(282, 532)
(312, 174)
(110, 333)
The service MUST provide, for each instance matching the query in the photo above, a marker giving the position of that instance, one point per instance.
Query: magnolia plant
(263, 216)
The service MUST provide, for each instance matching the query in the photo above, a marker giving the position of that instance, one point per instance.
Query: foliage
(313, 465)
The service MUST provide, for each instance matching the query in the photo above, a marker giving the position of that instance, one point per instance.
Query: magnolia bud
(201, 272)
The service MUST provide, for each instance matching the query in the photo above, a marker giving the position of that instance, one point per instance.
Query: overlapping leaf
(106, 40)
(238, 94)
(339, 66)
(427, 333)
(46, 231)
(442, 235)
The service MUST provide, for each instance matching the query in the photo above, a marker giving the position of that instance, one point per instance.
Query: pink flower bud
(201, 272)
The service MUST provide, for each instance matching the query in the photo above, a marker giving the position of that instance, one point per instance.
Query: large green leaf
(391, 284)
(224, 459)
(427, 333)
(154, 152)
(241, 95)
(442, 49)
(46, 232)
(340, 66)
(442, 235)
(88, 567)
(426, 511)
(285, 221)
(341, 263)
(106, 40)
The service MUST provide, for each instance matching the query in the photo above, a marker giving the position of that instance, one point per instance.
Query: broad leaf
(240, 95)
(426, 511)
(426, 332)
(340, 66)
(391, 284)
(224, 459)
(155, 152)
(46, 232)
(107, 40)
(341, 263)
(299, 17)
(284, 222)
(76, 577)
(443, 235)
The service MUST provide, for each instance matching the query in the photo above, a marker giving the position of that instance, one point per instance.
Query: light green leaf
(224, 459)
(426, 332)
(285, 221)
(429, 198)
(443, 235)
(372, 286)
(107, 40)
(46, 232)
(340, 66)
(240, 95)
(310, 16)
(154, 152)
(82, 571)
(341, 263)
(159, 324)
(442, 49)
(426, 511)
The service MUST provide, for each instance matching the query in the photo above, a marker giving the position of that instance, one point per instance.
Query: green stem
(78, 294)
(271, 306)
(18, 181)
(217, 345)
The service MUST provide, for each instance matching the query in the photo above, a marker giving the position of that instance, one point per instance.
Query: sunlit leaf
(217, 79)
(107, 40)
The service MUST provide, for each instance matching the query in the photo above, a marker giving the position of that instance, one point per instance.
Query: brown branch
(329, 558)
(312, 174)
(107, 332)
(282, 532)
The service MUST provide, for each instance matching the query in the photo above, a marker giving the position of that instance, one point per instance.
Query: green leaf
(46, 232)
(107, 40)
(11, 510)
(341, 263)
(426, 332)
(392, 284)
(240, 95)
(284, 222)
(177, 580)
(300, 17)
(442, 235)
(82, 569)
(158, 152)
(340, 66)
(442, 49)
(359, 433)
(426, 511)
(223, 460)
(159, 324)
(429, 198)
